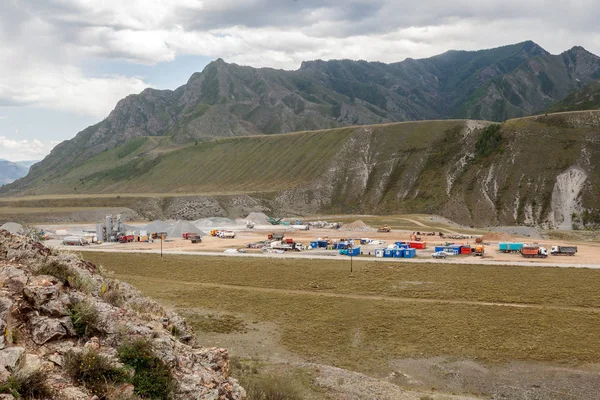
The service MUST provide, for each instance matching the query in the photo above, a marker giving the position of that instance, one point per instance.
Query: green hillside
(587, 98)
(536, 170)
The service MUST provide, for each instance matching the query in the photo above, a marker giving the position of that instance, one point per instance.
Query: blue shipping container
(410, 253)
(344, 252)
(314, 245)
(398, 253)
(355, 251)
(388, 253)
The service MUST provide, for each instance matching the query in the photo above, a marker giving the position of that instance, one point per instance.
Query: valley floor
(388, 330)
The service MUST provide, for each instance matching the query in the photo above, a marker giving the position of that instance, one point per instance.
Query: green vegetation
(489, 140)
(152, 378)
(383, 312)
(85, 319)
(587, 98)
(66, 275)
(28, 386)
(94, 370)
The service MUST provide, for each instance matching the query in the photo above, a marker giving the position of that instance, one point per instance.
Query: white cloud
(22, 150)
(45, 43)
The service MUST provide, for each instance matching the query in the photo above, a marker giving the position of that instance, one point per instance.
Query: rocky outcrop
(43, 296)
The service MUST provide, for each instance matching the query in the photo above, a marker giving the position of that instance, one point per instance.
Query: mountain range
(228, 100)
(11, 171)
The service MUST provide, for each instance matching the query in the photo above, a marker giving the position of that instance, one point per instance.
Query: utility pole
(350, 250)
(161, 240)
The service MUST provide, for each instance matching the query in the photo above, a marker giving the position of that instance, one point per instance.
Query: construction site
(261, 235)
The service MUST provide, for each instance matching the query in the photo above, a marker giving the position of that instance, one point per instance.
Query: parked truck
(195, 238)
(507, 247)
(126, 238)
(75, 241)
(563, 250)
(384, 228)
(227, 234)
(534, 252)
(275, 236)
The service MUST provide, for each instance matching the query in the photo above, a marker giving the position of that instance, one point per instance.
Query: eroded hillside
(536, 170)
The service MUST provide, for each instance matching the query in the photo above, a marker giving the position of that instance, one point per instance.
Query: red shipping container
(417, 245)
(465, 250)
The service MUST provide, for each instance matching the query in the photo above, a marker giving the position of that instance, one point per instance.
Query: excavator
(384, 228)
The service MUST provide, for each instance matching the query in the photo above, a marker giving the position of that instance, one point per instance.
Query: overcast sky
(65, 63)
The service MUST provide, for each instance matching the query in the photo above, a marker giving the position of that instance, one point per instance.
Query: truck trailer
(563, 250)
(507, 247)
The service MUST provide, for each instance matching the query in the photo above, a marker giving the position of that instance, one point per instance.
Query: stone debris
(36, 330)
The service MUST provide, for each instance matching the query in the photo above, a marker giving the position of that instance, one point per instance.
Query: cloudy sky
(65, 63)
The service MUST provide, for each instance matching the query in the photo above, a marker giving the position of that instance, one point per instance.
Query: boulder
(14, 279)
(41, 290)
(44, 329)
(12, 358)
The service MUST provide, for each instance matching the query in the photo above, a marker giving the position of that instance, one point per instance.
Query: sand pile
(357, 226)
(497, 236)
(258, 218)
(13, 227)
(214, 222)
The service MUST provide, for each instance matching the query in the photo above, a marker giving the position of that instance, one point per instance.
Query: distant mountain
(227, 100)
(587, 98)
(11, 171)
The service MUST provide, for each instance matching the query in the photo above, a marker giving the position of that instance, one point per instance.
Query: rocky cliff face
(70, 333)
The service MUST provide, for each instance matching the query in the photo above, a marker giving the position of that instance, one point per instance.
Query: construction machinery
(274, 221)
(479, 250)
(384, 228)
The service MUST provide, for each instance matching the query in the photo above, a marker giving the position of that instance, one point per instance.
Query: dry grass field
(364, 321)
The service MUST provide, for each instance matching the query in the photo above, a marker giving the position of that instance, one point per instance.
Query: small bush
(58, 270)
(94, 371)
(152, 377)
(113, 297)
(85, 319)
(489, 140)
(270, 388)
(31, 386)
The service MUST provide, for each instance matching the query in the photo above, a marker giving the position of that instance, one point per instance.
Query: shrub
(58, 270)
(30, 386)
(113, 297)
(85, 319)
(152, 378)
(67, 275)
(94, 371)
(270, 388)
(489, 140)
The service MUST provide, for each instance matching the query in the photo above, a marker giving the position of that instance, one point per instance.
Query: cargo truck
(534, 252)
(563, 250)
(227, 234)
(126, 238)
(506, 247)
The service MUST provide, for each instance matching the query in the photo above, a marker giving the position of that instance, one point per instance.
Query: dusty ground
(588, 252)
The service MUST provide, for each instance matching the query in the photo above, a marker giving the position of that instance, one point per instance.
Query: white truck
(226, 234)
(75, 241)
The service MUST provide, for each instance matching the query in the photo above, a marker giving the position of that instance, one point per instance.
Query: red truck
(126, 238)
(188, 234)
(534, 251)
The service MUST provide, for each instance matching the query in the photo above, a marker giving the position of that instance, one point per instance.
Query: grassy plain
(386, 312)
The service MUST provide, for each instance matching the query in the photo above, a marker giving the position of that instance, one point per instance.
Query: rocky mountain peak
(77, 335)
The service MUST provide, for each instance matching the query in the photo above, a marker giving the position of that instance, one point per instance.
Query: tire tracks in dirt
(363, 297)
